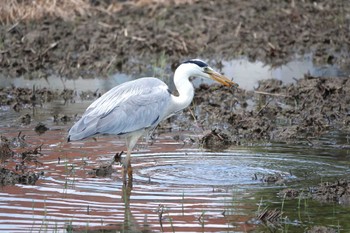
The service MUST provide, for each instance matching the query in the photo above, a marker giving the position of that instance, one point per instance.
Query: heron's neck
(184, 88)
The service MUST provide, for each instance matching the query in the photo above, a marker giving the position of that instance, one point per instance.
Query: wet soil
(321, 229)
(334, 192)
(297, 113)
(132, 36)
(16, 153)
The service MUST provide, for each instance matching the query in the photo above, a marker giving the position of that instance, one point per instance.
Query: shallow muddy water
(177, 187)
(246, 73)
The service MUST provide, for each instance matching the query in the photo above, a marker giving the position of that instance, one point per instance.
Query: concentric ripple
(229, 168)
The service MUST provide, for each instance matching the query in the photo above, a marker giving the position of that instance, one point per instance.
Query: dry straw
(18, 10)
(12, 11)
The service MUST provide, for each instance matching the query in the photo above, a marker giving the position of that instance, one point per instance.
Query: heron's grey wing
(126, 108)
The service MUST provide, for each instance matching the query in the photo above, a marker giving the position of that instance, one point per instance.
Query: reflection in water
(131, 224)
(174, 188)
(247, 73)
(55, 83)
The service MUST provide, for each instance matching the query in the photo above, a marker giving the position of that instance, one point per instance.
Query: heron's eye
(206, 70)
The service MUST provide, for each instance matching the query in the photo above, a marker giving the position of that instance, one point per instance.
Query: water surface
(246, 73)
(177, 187)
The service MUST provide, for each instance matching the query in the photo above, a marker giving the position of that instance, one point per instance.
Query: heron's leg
(127, 169)
(126, 162)
(124, 174)
(131, 141)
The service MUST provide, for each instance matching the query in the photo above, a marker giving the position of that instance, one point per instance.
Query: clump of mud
(106, 170)
(41, 128)
(277, 178)
(20, 98)
(290, 193)
(337, 192)
(5, 150)
(9, 177)
(17, 160)
(321, 229)
(216, 140)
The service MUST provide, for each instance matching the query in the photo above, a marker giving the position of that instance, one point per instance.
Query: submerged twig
(271, 94)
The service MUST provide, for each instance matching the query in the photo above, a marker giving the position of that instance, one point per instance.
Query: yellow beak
(221, 79)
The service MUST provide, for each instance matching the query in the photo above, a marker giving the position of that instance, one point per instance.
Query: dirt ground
(128, 36)
(298, 113)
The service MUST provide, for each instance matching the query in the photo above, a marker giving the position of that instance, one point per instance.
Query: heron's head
(200, 68)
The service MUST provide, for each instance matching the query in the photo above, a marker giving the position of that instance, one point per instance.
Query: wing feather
(126, 108)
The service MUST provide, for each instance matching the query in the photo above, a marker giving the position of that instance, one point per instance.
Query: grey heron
(133, 108)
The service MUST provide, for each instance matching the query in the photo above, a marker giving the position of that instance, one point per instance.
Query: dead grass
(163, 2)
(18, 10)
(12, 11)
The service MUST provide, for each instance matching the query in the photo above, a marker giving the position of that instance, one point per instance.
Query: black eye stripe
(197, 62)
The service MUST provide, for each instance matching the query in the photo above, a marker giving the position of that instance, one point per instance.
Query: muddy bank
(24, 158)
(298, 113)
(112, 36)
(327, 192)
(294, 113)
